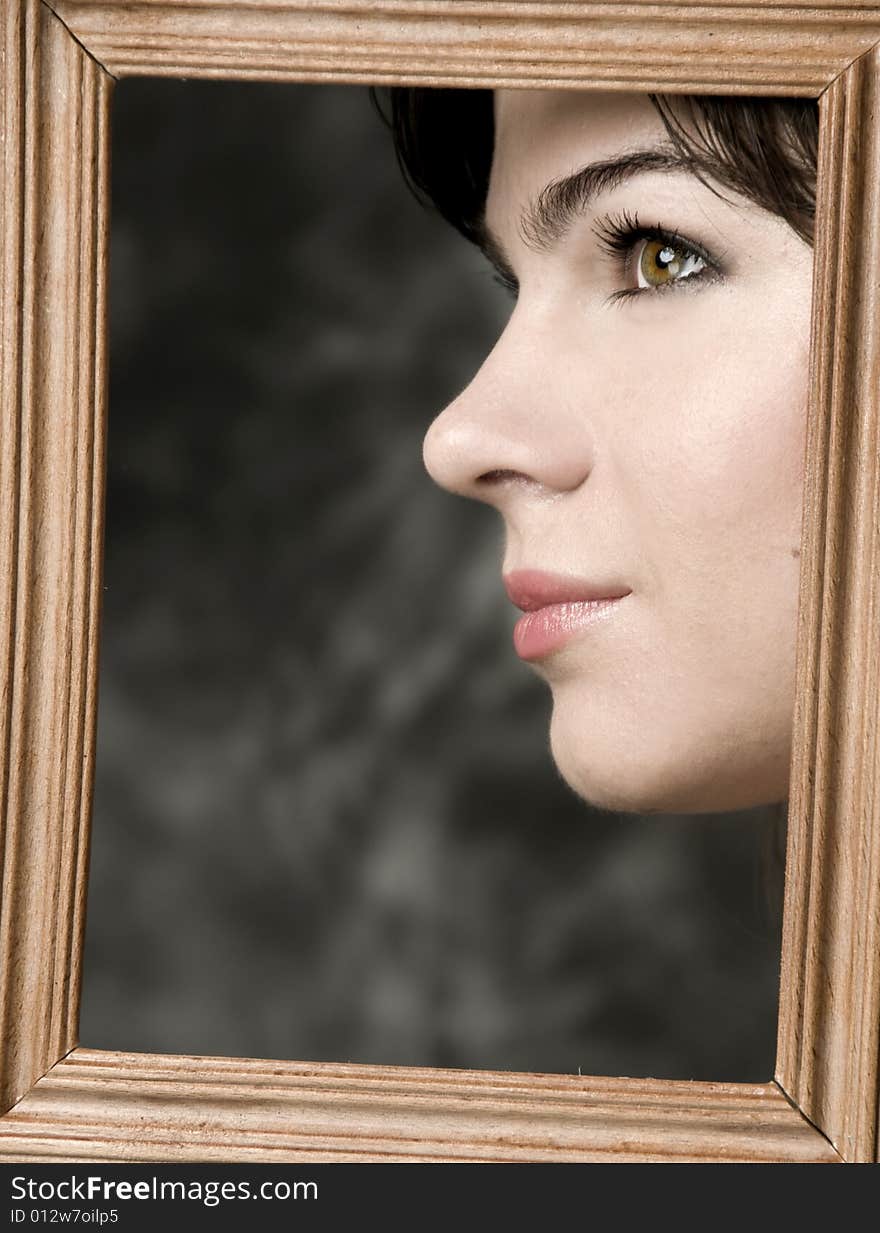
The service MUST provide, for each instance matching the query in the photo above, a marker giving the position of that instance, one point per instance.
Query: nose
(520, 425)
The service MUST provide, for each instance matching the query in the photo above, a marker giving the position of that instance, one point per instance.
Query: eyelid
(619, 234)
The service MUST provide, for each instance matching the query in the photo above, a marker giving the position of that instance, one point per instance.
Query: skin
(655, 441)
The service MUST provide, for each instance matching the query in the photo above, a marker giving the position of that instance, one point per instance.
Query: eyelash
(619, 233)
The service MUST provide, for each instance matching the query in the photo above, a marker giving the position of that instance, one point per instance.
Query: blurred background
(326, 825)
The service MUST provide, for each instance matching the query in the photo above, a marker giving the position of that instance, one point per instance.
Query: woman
(640, 423)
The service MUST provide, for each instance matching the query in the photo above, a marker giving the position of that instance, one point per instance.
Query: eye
(658, 263)
(652, 259)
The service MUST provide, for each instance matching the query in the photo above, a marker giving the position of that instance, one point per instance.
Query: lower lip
(539, 633)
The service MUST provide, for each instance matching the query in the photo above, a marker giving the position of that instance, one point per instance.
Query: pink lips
(556, 607)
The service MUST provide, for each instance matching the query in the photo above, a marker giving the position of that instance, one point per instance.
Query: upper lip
(531, 589)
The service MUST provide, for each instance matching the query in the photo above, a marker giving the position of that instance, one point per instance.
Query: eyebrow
(550, 216)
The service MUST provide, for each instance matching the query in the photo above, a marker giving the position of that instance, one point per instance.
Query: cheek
(720, 446)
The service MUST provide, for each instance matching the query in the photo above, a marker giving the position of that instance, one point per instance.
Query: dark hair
(762, 148)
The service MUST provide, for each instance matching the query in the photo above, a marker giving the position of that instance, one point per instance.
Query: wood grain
(729, 48)
(53, 215)
(830, 1000)
(52, 227)
(112, 1107)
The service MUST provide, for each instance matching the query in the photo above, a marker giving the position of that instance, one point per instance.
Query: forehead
(541, 135)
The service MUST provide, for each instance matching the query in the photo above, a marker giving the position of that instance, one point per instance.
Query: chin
(622, 772)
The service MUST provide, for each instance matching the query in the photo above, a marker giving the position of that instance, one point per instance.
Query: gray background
(326, 823)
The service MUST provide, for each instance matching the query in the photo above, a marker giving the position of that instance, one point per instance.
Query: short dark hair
(764, 148)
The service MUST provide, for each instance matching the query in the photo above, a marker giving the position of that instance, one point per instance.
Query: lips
(556, 608)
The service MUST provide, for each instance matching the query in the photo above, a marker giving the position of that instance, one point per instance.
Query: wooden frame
(60, 59)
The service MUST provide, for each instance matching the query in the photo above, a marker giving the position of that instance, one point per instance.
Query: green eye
(659, 263)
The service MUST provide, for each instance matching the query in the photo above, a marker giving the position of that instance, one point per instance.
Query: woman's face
(640, 427)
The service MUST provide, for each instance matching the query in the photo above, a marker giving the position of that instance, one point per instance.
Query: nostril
(501, 476)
